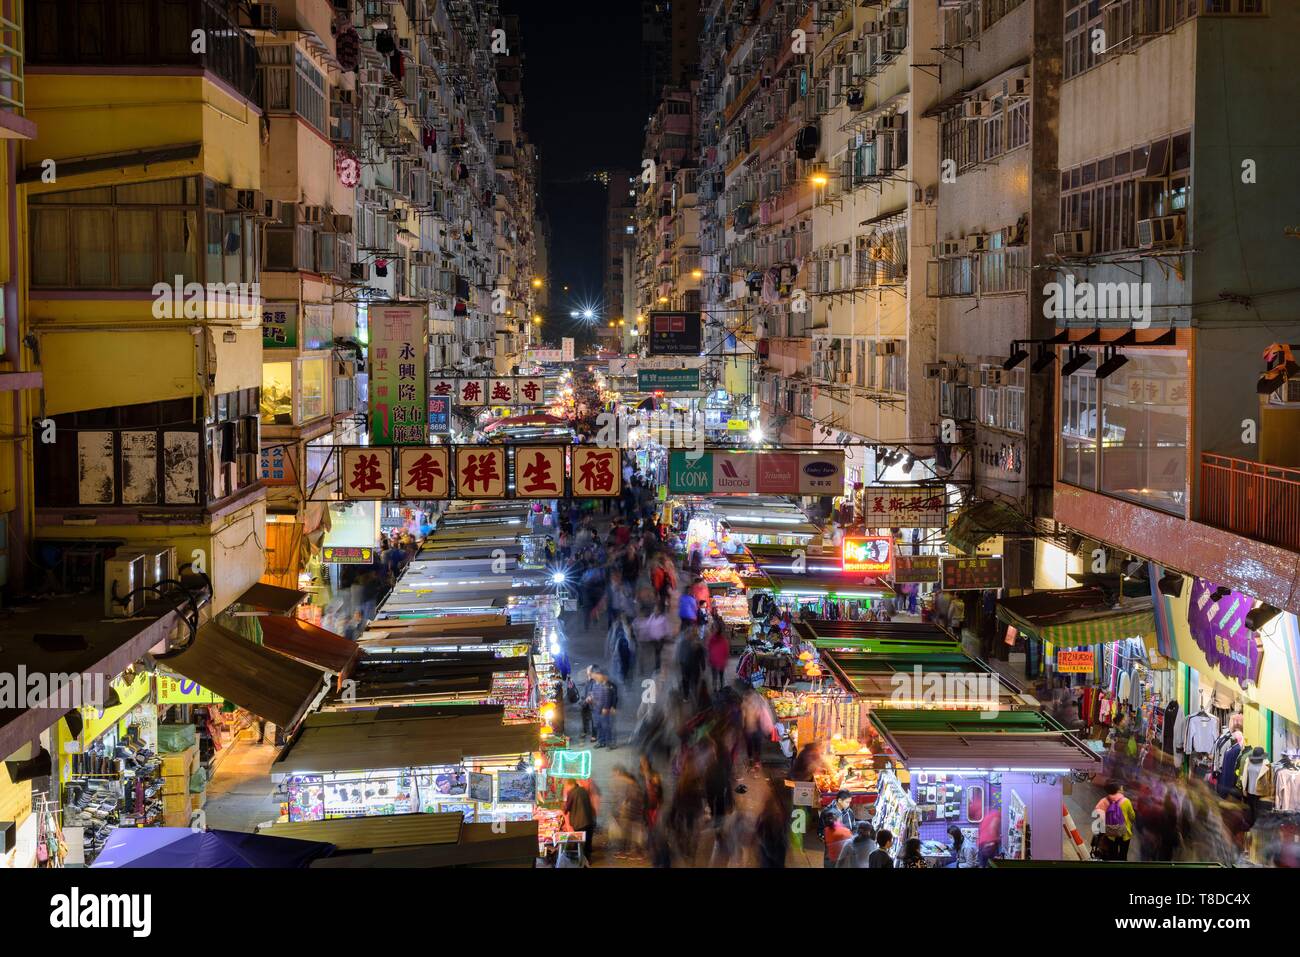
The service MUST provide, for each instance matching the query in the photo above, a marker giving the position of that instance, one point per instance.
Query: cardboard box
(180, 763)
(175, 784)
(176, 818)
(198, 800)
(177, 804)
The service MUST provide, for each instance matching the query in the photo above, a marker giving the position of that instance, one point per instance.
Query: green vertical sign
(690, 473)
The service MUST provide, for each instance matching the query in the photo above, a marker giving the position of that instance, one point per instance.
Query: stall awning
(876, 676)
(403, 738)
(849, 586)
(877, 637)
(265, 682)
(386, 830)
(310, 643)
(1016, 740)
(982, 520)
(1078, 616)
(272, 598)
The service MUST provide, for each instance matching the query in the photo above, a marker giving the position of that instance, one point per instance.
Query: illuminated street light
(820, 179)
(697, 273)
(756, 435)
(537, 282)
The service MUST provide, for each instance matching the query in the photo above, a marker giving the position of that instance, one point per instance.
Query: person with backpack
(603, 697)
(1116, 817)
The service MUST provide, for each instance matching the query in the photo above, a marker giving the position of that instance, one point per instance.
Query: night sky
(583, 110)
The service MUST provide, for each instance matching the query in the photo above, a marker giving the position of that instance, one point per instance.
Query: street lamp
(537, 282)
(820, 179)
(697, 273)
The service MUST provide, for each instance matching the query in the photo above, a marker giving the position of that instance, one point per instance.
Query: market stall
(1000, 778)
(928, 681)
(436, 758)
(877, 637)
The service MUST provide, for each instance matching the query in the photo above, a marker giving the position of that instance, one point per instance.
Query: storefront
(434, 759)
(999, 779)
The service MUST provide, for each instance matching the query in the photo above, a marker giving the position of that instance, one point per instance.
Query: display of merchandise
(896, 812)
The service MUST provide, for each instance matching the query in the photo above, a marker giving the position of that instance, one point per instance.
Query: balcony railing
(142, 33)
(1251, 499)
(11, 56)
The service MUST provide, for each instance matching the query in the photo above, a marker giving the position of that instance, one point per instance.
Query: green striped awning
(1072, 617)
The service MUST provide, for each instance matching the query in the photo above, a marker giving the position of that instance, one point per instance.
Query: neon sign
(872, 555)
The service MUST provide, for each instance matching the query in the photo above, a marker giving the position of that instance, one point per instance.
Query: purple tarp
(170, 847)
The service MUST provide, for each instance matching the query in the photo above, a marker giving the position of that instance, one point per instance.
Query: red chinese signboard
(367, 473)
(471, 392)
(870, 555)
(501, 392)
(481, 472)
(597, 473)
(530, 391)
(424, 473)
(966, 574)
(539, 472)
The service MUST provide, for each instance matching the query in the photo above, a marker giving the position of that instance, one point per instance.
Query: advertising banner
(675, 334)
(966, 574)
(735, 472)
(1074, 662)
(676, 381)
(280, 325)
(353, 533)
(501, 392)
(1219, 629)
(778, 473)
(690, 473)
(398, 375)
(276, 466)
(916, 568)
(597, 473)
(868, 555)
(481, 472)
(902, 507)
(424, 473)
(821, 473)
(367, 473)
(439, 414)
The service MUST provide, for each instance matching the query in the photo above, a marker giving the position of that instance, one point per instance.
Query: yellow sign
(96, 722)
(176, 690)
(1074, 662)
(738, 425)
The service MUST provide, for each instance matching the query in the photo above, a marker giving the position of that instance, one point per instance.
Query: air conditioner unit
(313, 215)
(878, 253)
(961, 375)
(122, 576)
(264, 16)
(372, 76)
(887, 347)
(945, 373)
(422, 257)
(977, 242)
(894, 121)
(991, 377)
(1160, 231)
(975, 108)
(934, 370)
(249, 200)
(1077, 242)
(948, 247)
(361, 272)
(342, 223)
(1018, 88)
(273, 210)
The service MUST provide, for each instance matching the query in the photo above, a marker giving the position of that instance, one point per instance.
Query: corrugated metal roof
(389, 830)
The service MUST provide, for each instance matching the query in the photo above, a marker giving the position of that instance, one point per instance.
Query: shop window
(1126, 436)
(312, 389)
(277, 393)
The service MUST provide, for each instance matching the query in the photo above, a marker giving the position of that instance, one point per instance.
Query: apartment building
(310, 156)
(619, 237)
(996, 109)
(1175, 273)
(153, 389)
(668, 267)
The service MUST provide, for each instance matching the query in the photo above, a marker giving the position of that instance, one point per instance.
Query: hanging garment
(1169, 733)
(1180, 733)
(1286, 788)
(1253, 772)
(384, 43)
(348, 49)
(1124, 689)
(1228, 770)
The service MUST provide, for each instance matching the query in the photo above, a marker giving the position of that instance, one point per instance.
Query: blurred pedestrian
(580, 813)
(857, 853)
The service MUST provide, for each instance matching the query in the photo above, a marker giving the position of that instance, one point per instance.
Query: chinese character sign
(398, 377)
(967, 574)
(471, 392)
(501, 392)
(280, 325)
(539, 472)
(424, 473)
(367, 473)
(530, 391)
(481, 472)
(276, 466)
(897, 506)
(597, 473)
(444, 388)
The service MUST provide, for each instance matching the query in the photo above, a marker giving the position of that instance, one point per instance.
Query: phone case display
(304, 798)
(938, 798)
(1017, 828)
(896, 812)
(368, 795)
(512, 690)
